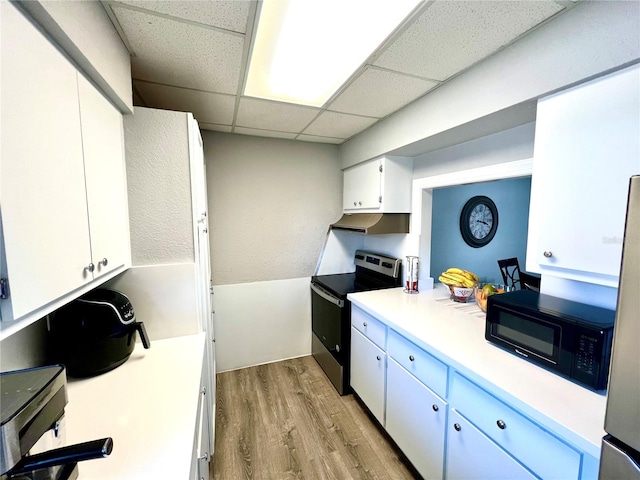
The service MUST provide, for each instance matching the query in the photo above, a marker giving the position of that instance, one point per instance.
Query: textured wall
(159, 187)
(271, 202)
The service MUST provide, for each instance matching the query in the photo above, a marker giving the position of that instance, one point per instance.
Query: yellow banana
(454, 270)
(448, 281)
(457, 279)
(465, 273)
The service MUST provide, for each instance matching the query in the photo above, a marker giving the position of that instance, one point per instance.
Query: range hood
(373, 223)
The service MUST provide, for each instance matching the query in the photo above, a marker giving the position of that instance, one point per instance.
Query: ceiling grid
(194, 55)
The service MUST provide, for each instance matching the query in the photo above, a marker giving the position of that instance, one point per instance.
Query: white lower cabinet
(201, 447)
(446, 425)
(514, 432)
(368, 366)
(471, 454)
(416, 420)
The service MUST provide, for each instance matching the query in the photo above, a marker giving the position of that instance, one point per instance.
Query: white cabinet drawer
(371, 328)
(523, 439)
(471, 455)
(426, 368)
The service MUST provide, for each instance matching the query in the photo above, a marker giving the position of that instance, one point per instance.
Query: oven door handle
(326, 295)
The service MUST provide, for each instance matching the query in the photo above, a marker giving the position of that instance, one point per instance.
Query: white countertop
(148, 406)
(454, 333)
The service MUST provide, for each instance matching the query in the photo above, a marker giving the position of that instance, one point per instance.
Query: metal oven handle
(326, 295)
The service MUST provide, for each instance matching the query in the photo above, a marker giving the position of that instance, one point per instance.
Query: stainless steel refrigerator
(620, 457)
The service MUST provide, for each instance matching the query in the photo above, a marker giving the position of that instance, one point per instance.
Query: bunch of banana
(458, 277)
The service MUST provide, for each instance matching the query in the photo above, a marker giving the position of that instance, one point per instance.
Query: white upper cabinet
(103, 147)
(587, 145)
(44, 212)
(382, 185)
(55, 134)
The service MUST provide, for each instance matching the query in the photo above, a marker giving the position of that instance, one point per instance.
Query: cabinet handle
(435, 407)
(378, 357)
(355, 204)
(457, 427)
(501, 424)
(103, 262)
(204, 457)
(360, 203)
(547, 254)
(364, 324)
(91, 267)
(411, 358)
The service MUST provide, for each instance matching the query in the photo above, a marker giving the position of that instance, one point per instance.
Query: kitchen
(279, 289)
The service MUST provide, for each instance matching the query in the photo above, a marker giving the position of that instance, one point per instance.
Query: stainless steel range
(331, 311)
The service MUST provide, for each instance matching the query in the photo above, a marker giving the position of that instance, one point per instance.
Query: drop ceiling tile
(316, 139)
(230, 15)
(214, 128)
(377, 93)
(275, 116)
(338, 125)
(264, 133)
(206, 107)
(454, 34)
(177, 53)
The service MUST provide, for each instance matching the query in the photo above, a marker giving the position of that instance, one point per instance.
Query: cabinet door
(103, 147)
(368, 373)
(586, 148)
(470, 454)
(416, 420)
(44, 213)
(362, 186)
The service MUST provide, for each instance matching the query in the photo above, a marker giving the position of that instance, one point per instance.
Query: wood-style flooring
(285, 420)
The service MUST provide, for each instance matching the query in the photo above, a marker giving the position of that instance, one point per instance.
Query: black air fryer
(95, 333)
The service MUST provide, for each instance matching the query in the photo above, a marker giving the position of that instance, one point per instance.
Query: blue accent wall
(448, 249)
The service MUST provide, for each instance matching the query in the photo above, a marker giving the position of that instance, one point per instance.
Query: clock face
(478, 221)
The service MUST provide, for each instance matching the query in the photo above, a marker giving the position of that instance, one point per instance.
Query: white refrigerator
(620, 457)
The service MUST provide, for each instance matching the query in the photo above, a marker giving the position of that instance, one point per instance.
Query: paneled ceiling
(193, 56)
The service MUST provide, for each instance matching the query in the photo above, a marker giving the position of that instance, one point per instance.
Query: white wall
(271, 202)
(163, 298)
(592, 38)
(506, 146)
(261, 322)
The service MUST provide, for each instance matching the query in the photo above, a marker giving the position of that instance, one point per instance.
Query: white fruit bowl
(461, 294)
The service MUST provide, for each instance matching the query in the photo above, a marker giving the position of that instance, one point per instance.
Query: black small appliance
(569, 338)
(32, 408)
(95, 333)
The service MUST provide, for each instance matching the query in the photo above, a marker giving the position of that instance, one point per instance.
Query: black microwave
(569, 338)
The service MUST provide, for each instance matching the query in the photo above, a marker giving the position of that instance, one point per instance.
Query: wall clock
(478, 221)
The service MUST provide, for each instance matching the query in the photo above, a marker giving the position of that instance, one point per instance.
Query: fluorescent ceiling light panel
(305, 50)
